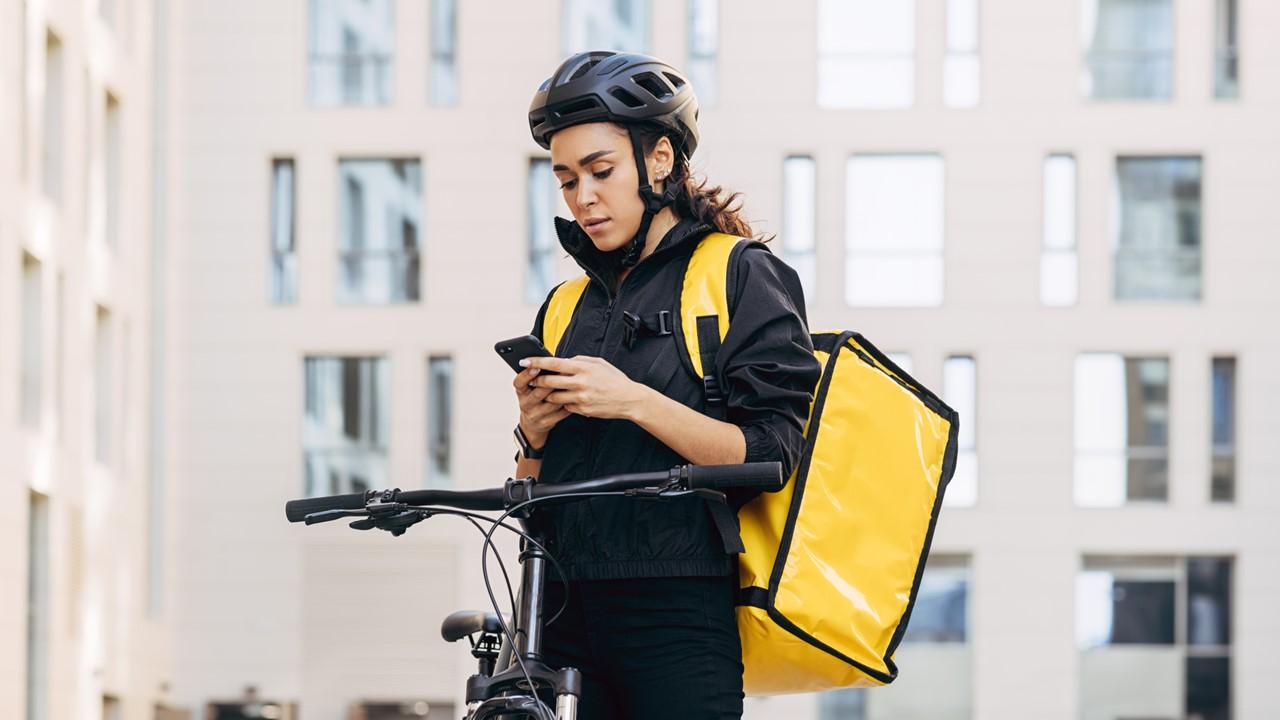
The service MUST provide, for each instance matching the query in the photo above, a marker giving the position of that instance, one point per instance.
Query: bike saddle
(467, 622)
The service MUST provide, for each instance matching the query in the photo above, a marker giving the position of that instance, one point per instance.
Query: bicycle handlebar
(766, 476)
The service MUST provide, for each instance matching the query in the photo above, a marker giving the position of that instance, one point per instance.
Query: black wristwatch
(527, 450)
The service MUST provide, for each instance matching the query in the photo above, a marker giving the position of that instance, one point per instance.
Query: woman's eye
(568, 184)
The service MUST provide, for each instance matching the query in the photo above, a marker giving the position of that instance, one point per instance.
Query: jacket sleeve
(766, 360)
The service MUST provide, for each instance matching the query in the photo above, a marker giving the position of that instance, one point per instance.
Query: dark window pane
(1147, 427)
(1223, 486)
(850, 704)
(1224, 401)
(940, 610)
(1208, 688)
(1148, 478)
(1142, 612)
(1158, 247)
(1208, 601)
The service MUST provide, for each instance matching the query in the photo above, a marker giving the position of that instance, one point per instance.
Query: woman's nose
(586, 195)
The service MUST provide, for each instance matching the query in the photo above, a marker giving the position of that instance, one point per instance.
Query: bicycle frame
(503, 688)
(485, 693)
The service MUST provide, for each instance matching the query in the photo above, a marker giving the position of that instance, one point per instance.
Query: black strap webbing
(726, 521)
(708, 347)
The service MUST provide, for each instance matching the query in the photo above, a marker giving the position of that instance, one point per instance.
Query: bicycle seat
(466, 622)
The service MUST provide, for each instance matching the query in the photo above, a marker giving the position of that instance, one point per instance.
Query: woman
(650, 621)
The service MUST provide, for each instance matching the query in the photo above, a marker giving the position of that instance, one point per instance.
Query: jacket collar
(603, 266)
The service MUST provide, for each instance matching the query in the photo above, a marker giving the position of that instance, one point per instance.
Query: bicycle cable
(543, 709)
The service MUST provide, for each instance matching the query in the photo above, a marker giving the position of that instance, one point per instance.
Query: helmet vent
(610, 66)
(582, 69)
(675, 80)
(656, 87)
(576, 107)
(626, 98)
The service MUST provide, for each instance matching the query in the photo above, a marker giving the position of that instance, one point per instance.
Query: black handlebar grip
(766, 476)
(298, 510)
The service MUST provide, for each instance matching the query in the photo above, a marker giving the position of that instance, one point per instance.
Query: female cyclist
(651, 586)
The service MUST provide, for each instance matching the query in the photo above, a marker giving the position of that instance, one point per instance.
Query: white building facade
(1059, 215)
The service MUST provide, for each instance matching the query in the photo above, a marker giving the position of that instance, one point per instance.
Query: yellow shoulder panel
(560, 311)
(704, 290)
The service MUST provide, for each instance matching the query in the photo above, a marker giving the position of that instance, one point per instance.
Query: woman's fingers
(524, 378)
(564, 397)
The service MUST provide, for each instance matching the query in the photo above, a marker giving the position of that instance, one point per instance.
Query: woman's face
(597, 174)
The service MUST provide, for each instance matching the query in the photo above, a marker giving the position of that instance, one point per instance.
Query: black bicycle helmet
(627, 89)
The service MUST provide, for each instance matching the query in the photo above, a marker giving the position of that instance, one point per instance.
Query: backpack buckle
(711, 390)
(631, 323)
(635, 327)
(664, 322)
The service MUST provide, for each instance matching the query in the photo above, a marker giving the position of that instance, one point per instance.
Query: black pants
(650, 648)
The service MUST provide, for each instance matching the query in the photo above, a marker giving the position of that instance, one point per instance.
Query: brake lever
(327, 515)
(395, 524)
(671, 488)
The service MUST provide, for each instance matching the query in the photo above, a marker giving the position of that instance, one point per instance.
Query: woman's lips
(592, 229)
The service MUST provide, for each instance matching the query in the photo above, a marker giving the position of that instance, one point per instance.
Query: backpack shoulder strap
(704, 311)
(564, 301)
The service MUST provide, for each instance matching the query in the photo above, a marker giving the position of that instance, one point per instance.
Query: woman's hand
(537, 416)
(588, 386)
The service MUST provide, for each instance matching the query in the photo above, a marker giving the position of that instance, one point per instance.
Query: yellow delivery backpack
(832, 562)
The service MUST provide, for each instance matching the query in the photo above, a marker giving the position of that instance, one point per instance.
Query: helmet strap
(653, 202)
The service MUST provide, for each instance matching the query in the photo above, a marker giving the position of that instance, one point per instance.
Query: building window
(1224, 430)
(403, 710)
(960, 391)
(352, 43)
(704, 39)
(1226, 50)
(53, 101)
(38, 576)
(284, 258)
(894, 231)
(113, 155)
(32, 341)
(799, 220)
(107, 10)
(444, 53)
(111, 709)
(1059, 265)
(1166, 620)
(440, 422)
(935, 645)
(618, 25)
(1158, 242)
(866, 53)
(1121, 430)
(962, 69)
(379, 217)
(1128, 49)
(344, 429)
(902, 360)
(540, 266)
(102, 387)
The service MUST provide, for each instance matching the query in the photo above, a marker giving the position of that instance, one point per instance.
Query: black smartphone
(517, 349)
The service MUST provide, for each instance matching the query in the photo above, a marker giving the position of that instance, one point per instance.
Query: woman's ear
(660, 161)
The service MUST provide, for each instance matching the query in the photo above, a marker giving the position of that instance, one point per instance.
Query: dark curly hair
(694, 199)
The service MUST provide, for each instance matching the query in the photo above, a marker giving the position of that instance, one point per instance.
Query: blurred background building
(251, 251)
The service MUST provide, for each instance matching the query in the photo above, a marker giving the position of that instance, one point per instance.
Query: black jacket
(766, 364)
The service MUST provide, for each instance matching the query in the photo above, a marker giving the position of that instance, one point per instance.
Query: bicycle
(511, 675)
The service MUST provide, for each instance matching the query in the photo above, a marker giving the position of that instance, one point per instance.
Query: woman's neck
(658, 229)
